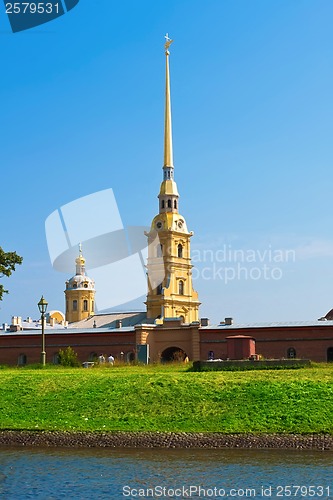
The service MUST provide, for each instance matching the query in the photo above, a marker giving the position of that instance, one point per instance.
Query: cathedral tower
(80, 293)
(170, 290)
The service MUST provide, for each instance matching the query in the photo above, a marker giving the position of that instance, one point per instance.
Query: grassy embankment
(167, 398)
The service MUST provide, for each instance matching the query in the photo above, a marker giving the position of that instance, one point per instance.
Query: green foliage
(168, 398)
(8, 262)
(237, 366)
(68, 357)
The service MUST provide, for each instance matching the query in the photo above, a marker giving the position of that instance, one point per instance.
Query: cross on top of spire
(167, 43)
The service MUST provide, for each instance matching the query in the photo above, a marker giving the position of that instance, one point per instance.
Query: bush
(68, 357)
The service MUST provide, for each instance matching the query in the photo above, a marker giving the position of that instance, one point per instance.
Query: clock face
(159, 225)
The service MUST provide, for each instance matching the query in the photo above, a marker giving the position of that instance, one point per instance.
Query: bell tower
(170, 289)
(79, 293)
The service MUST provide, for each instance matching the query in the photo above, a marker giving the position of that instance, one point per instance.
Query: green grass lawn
(167, 398)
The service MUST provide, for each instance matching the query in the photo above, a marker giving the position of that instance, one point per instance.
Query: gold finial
(80, 262)
(167, 43)
(80, 257)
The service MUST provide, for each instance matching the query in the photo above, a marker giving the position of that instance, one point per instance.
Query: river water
(119, 474)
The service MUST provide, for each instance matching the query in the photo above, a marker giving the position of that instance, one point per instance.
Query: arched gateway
(173, 354)
(330, 355)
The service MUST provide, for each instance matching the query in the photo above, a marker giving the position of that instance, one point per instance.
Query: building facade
(171, 340)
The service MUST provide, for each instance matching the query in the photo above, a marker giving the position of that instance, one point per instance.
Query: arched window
(180, 250)
(169, 204)
(85, 305)
(55, 358)
(74, 305)
(181, 287)
(330, 355)
(22, 360)
(163, 204)
(291, 353)
(175, 204)
(74, 285)
(130, 356)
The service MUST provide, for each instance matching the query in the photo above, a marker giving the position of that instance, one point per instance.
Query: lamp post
(42, 306)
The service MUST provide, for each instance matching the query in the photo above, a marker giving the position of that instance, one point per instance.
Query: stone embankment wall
(166, 440)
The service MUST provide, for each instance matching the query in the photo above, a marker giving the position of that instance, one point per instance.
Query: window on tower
(169, 204)
(163, 204)
(175, 204)
(181, 287)
(74, 305)
(180, 250)
(159, 252)
(85, 305)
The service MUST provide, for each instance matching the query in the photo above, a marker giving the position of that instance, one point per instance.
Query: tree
(8, 261)
(68, 357)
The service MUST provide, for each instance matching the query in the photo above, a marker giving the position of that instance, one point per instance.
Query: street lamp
(42, 306)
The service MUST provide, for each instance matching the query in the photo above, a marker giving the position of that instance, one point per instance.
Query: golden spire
(168, 155)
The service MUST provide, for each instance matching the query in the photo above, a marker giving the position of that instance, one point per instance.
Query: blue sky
(82, 111)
